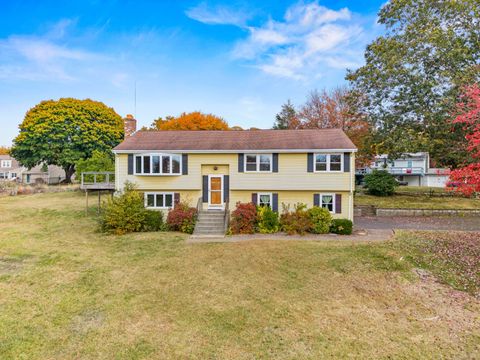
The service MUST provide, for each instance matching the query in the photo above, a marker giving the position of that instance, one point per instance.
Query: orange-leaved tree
(4, 150)
(338, 108)
(190, 121)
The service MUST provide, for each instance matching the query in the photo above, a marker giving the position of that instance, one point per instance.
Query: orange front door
(215, 190)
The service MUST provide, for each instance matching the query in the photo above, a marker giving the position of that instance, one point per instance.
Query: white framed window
(265, 199)
(13, 175)
(328, 162)
(158, 164)
(327, 201)
(258, 163)
(6, 163)
(158, 200)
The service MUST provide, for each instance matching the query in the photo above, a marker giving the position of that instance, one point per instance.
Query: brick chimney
(129, 125)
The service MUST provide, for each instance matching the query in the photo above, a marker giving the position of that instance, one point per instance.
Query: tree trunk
(69, 171)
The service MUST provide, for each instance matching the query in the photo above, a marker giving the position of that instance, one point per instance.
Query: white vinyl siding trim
(150, 160)
(236, 151)
(159, 200)
(329, 161)
(258, 163)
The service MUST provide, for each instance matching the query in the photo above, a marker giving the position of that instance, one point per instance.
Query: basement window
(156, 200)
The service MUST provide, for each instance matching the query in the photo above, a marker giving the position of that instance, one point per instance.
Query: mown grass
(417, 202)
(421, 190)
(67, 291)
(454, 257)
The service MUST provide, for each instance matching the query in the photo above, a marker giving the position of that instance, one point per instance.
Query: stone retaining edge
(364, 211)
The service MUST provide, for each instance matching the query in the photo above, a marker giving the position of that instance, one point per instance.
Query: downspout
(351, 186)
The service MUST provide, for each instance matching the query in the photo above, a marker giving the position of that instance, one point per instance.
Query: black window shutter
(275, 162)
(346, 162)
(275, 202)
(310, 162)
(205, 188)
(184, 164)
(240, 162)
(130, 164)
(338, 203)
(316, 199)
(226, 188)
(176, 197)
(254, 198)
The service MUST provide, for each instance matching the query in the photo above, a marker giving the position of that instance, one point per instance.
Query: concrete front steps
(210, 223)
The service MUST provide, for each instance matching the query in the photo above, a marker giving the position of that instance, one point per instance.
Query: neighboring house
(10, 169)
(50, 174)
(217, 169)
(411, 168)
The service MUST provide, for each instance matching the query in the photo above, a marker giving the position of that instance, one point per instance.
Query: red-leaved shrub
(182, 218)
(243, 218)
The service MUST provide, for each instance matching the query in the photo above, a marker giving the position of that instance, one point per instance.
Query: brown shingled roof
(173, 140)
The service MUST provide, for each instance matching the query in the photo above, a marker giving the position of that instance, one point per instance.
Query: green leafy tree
(414, 74)
(65, 131)
(99, 161)
(287, 118)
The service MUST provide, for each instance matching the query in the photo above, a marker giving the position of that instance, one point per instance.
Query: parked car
(453, 184)
(401, 183)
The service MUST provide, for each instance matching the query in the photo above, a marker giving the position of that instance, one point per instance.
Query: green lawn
(417, 202)
(67, 292)
(421, 189)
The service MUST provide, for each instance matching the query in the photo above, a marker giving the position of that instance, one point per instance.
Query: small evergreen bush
(154, 221)
(380, 183)
(321, 220)
(182, 218)
(341, 227)
(243, 218)
(296, 221)
(267, 220)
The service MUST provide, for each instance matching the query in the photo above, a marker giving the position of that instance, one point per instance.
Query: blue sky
(237, 59)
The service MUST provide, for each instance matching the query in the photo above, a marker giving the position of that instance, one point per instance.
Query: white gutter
(242, 151)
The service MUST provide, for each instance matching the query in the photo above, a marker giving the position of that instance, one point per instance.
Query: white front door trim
(210, 205)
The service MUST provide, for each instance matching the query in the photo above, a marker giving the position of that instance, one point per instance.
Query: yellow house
(213, 170)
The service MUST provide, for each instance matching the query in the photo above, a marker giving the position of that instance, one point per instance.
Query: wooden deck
(98, 186)
(97, 181)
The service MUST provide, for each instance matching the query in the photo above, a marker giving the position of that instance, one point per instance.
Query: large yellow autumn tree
(4, 150)
(190, 121)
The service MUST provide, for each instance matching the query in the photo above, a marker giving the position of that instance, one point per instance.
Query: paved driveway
(467, 223)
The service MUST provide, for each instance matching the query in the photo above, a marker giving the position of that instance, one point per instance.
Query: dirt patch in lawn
(12, 265)
(88, 320)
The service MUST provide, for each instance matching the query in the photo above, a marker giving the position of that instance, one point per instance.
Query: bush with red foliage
(466, 180)
(182, 218)
(243, 218)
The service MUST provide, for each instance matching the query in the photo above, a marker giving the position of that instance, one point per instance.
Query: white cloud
(44, 57)
(219, 15)
(310, 39)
